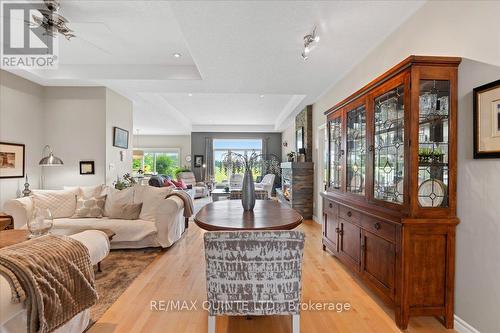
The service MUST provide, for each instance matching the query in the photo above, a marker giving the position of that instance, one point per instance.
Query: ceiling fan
(51, 21)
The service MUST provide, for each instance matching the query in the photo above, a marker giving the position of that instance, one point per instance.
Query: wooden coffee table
(11, 237)
(229, 215)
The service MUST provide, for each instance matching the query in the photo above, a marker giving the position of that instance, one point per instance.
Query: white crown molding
(234, 128)
(461, 326)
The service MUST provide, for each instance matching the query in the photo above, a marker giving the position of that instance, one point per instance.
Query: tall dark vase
(248, 191)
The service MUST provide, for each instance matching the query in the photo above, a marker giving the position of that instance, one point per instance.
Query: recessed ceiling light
(177, 55)
(261, 96)
(190, 94)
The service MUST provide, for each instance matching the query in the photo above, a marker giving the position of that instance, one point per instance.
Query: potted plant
(291, 156)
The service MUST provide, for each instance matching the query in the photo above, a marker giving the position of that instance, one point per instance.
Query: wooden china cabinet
(390, 208)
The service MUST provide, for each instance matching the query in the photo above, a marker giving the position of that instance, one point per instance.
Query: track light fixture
(310, 42)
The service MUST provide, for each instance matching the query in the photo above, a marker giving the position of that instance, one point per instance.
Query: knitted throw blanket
(53, 275)
(188, 202)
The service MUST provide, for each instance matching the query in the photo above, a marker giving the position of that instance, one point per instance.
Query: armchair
(266, 184)
(201, 190)
(236, 181)
(254, 273)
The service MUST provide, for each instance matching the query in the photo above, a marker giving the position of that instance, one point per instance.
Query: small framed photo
(87, 168)
(11, 160)
(120, 138)
(300, 138)
(486, 109)
(198, 161)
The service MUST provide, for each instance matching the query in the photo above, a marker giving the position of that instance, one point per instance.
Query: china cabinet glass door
(336, 153)
(356, 150)
(389, 148)
(433, 150)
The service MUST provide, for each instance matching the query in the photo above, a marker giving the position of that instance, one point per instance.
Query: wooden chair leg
(186, 222)
(296, 323)
(211, 324)
(99, 267)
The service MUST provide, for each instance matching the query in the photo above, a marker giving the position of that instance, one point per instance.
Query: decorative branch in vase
(237, 163)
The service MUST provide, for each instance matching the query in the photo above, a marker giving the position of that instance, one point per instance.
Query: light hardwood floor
(179, 274)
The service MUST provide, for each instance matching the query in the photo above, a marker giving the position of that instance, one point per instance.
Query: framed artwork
(87, 168)
(198, 161)
(486, 108)
(11, 160)
(300, 138)
(120, 138)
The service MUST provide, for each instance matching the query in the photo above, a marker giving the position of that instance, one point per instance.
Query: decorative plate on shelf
(431, 193)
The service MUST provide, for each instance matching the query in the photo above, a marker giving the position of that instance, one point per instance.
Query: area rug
(119, 269)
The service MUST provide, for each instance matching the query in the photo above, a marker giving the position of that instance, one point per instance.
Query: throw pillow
(114, 197)
(90, 207)
(152, 198)
(168, 182)
(61, 203)
(180, 184)
(129, 211)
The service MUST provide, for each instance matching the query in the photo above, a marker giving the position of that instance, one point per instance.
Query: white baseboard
(315, 219)
(461, 326)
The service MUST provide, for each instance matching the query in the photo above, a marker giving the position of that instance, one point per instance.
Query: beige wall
(118, 114)
(288, 135)
(470, 29)
(182, 142)
(74, 123)
(21, 121)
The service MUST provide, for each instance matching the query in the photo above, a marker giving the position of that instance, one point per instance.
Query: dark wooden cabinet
(389, 213)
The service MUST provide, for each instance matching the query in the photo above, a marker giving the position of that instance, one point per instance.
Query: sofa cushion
(114, 196)
(152, 197)
(61, 203)
(125, 230)
(89, 206)
(87, 191)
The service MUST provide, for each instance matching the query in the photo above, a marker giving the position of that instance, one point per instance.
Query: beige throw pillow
(125, 211)
(117, 197)
(90, 207)
(152, 197)
(61, 203)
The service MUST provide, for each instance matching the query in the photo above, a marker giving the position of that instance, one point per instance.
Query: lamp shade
(138, 153)
(51, 160)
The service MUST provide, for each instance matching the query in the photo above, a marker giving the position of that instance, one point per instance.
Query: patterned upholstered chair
(201, 190)
(254, 273)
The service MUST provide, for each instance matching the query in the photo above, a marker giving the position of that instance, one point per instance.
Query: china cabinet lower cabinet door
(349, 244)
(330, 231)
(378, 259)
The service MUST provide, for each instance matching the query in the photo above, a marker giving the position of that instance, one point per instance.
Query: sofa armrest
(20, 209)
(169, 221)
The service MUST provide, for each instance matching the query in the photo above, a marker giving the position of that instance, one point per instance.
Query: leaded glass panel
(389, 150)
(433, 143)
(336, 153)
(356, 150)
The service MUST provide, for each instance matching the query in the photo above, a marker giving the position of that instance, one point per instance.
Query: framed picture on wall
(11, 160)
(198, 161)
(300, 138)
(120, 138)
(486, 110)
(87, 168)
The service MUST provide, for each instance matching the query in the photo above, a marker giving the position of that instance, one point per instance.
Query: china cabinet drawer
(330, 207)
(350, 215)
(380, 228)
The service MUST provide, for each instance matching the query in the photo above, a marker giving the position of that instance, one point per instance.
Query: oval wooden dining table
(229, 215)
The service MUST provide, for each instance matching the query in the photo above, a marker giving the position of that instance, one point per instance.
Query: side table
(6, 222)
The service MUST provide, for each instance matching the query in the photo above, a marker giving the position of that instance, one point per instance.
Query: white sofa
(13, 315)
(163, 230)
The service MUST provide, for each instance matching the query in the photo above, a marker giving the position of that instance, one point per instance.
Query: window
(241, 146)
(157, 161)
